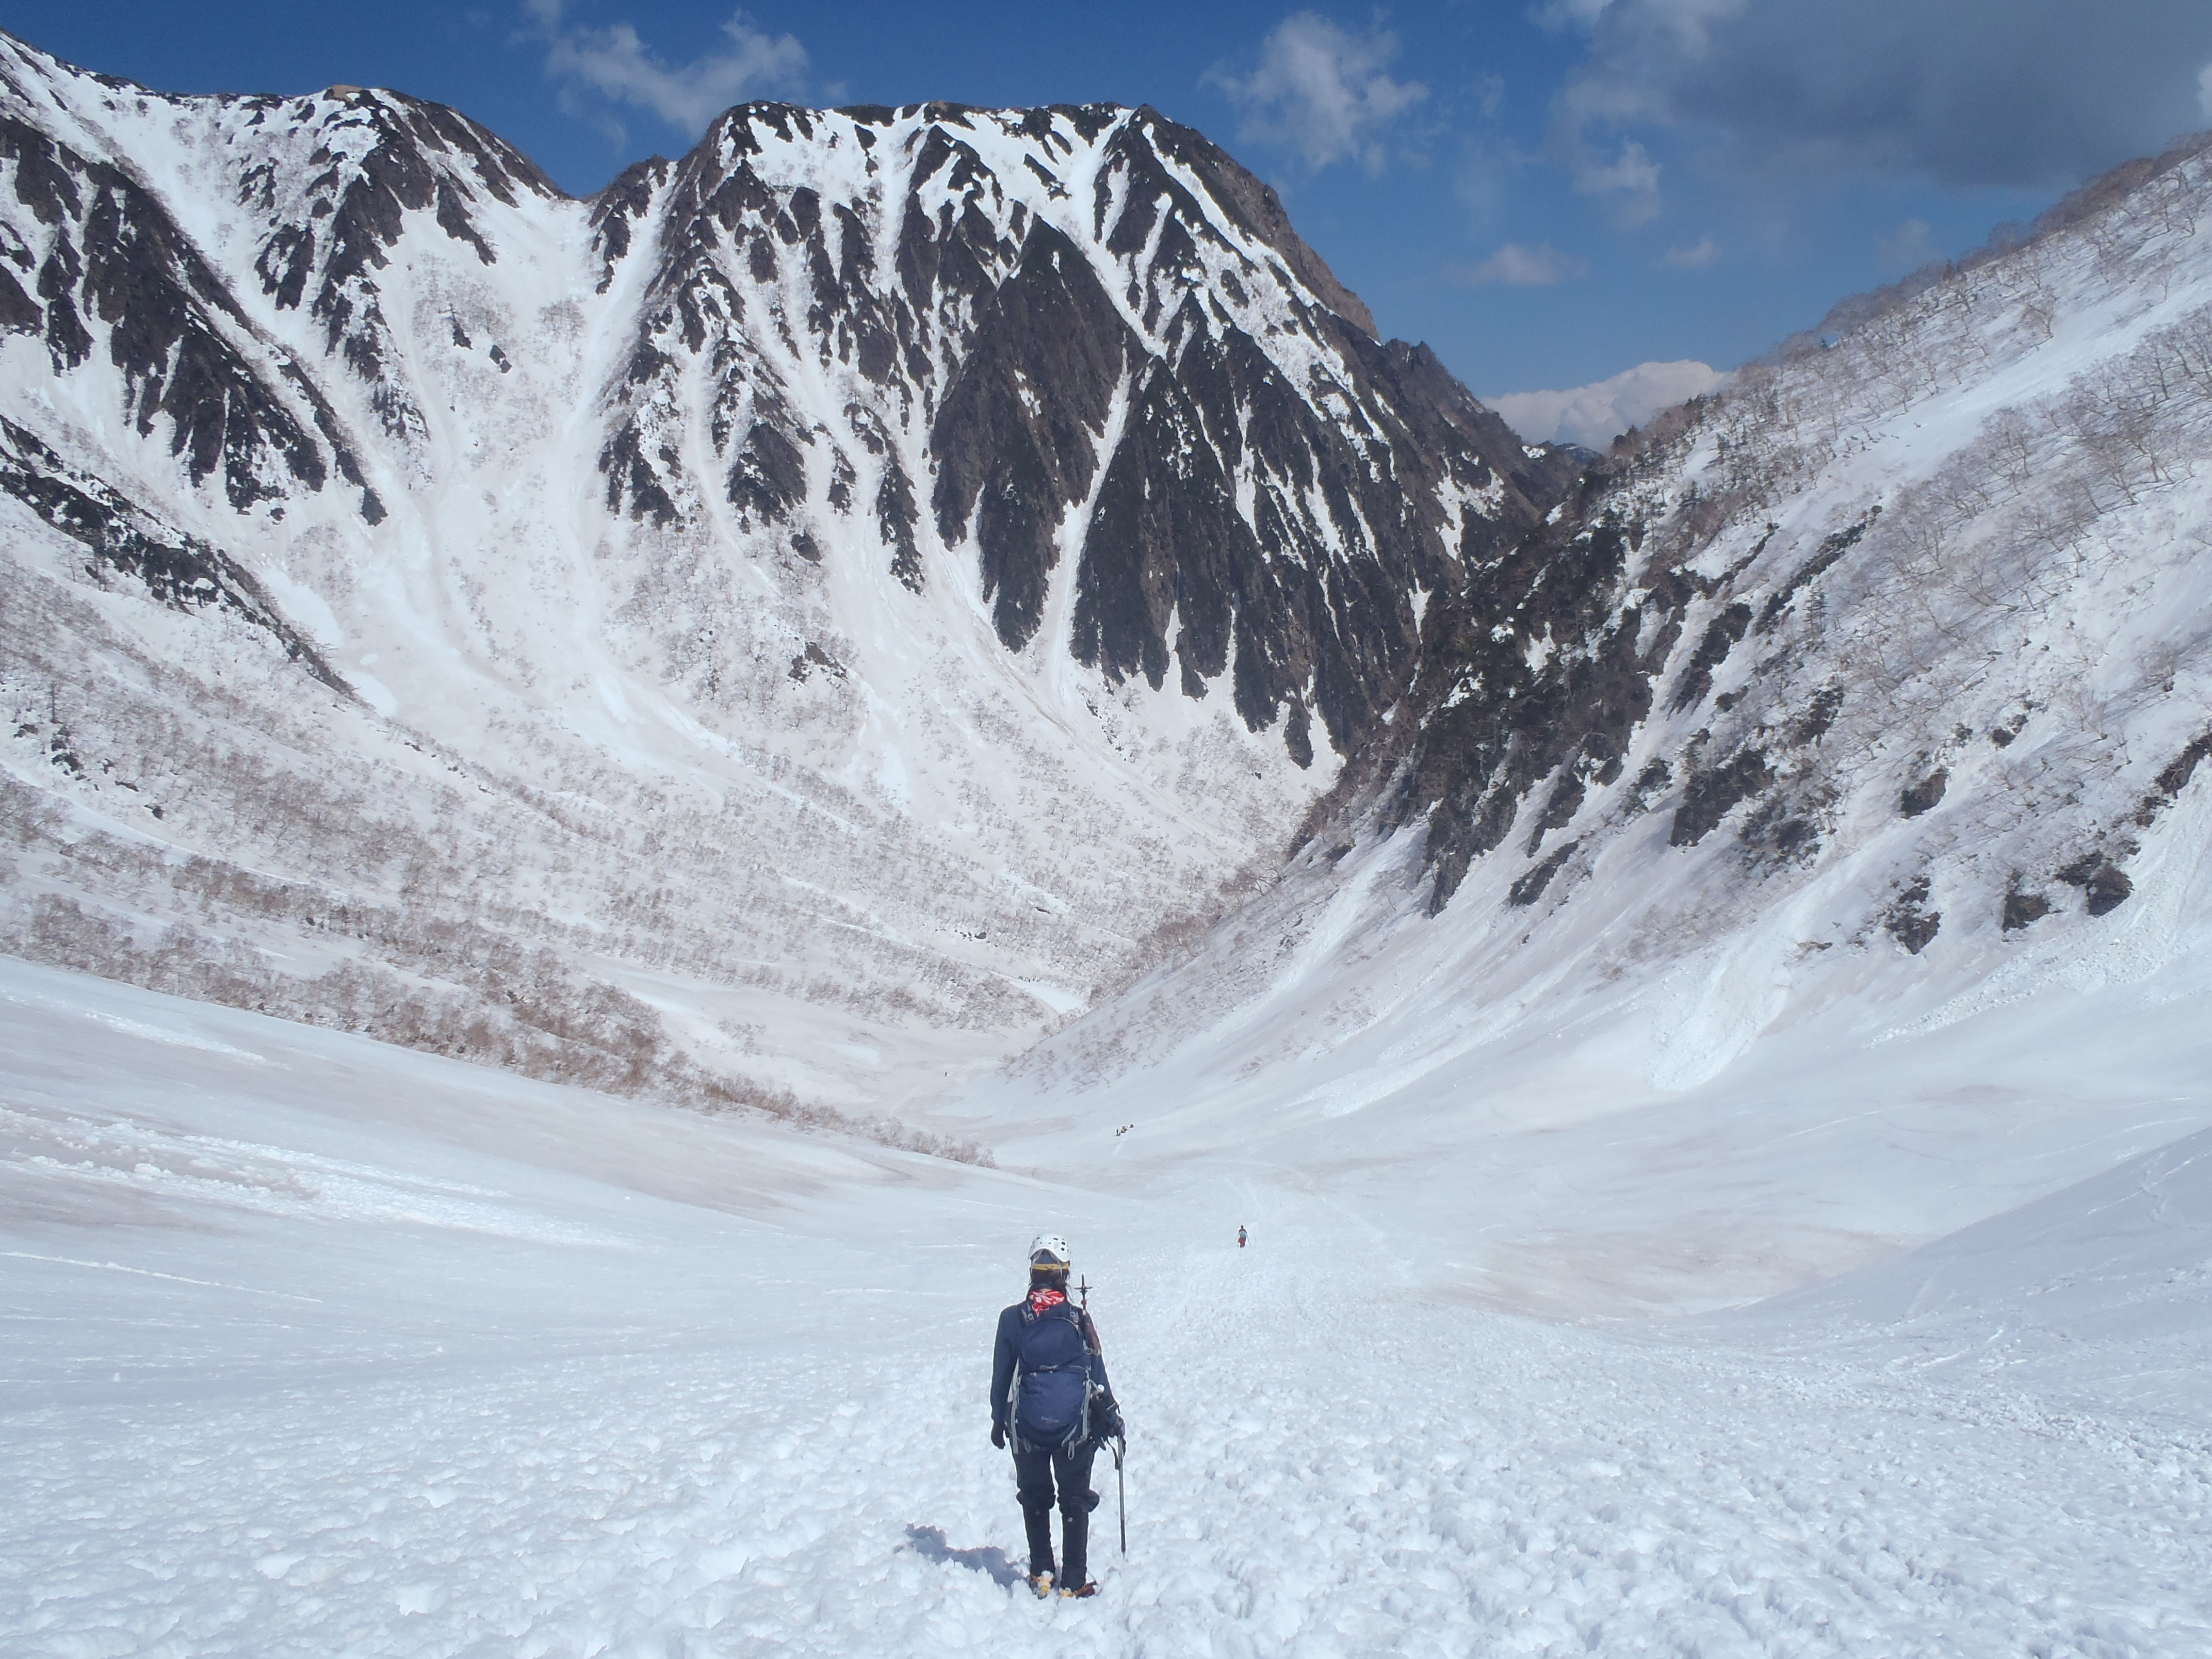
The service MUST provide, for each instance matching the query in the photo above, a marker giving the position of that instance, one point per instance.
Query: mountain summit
(801, 626)
(849, 588)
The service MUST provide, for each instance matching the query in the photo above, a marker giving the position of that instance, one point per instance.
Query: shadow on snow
(928, 1542)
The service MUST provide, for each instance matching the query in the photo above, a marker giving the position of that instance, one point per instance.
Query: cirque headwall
(796, 622)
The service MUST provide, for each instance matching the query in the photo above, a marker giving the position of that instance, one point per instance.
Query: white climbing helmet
(1049, 1251)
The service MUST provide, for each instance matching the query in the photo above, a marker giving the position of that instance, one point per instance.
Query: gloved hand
(1108, 1422)
(999, 1436)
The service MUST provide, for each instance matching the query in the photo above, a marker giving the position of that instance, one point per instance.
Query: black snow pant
(1035, 1470)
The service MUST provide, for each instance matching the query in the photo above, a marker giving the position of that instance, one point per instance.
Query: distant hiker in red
(1049, 1396)
(1240, 1238)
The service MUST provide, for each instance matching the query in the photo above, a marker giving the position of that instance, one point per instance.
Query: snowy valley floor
(313, 1347)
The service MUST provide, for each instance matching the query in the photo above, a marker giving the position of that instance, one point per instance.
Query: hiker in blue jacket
(1050, 1397)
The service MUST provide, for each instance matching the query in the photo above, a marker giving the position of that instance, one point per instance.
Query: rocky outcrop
(1006, 339)
(891, 567)
(1729, 622)
(124, 539)
(1153, 372)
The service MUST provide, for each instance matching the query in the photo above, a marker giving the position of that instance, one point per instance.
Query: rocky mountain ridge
(1833, 578)
(799, 627)
(1866, 696)
(832, 596)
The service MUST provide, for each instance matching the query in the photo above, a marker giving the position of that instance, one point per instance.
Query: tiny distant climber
(1050, 1398)
(1240, 1238)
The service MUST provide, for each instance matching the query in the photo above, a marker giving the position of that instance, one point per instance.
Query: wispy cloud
(1594, 416)
(615, 64)
(1691, 258)
(1569, 13)
(1628, 185)
(1904, 247)
(1320, 90)
(1516, 266)
(1965, 95)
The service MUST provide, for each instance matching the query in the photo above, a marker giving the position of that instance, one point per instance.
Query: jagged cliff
(1941, 565)
(803, 623)
(856, 582)
(1872, 692)
(1795, 850)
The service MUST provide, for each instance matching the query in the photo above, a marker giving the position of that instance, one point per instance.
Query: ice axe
(1121, 1445)
(1120, 1491)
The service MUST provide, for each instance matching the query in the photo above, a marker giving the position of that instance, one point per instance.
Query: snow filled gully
(317, 1348)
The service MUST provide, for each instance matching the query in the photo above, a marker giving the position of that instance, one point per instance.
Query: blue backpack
(1052, 1404)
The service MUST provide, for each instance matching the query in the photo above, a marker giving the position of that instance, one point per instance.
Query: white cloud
(1629, 184)
(1321, 90)
(1691, 258)
(1903, 248)
(1569, 14)
(1965, 95)
(615, 64)
(1594, 416)
(1516, 266)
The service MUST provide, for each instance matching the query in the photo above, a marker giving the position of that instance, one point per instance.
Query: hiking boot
(1041, 1583)
(1080, 1590)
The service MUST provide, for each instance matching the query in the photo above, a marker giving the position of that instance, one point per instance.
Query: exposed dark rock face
(1150, 374)
(1781, 830)
(1719, 639)
(2108, 888)
(1883, 628)
(2104, 884)
(769, 476)
(937, 400)
(178, 570)
(1014, 437)
(2172, 778)
(115, 258)
(1269, 486)
(1530, 886)
(1712, 792)
(377, 158)
(2023, 908)
(1503, 715)
(1831, 550)
(810, 659)
(1922, 796)
(896, 517)
(327, 184)
(1166, 540)
(1909, 921)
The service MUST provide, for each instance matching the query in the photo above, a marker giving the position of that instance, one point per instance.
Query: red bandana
(1041, 1298)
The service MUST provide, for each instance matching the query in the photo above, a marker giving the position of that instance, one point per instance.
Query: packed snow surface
(316, 1347)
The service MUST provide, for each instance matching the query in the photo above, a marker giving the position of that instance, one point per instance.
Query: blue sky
(1549, 191)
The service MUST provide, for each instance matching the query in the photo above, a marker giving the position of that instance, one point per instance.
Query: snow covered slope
(314, 1346)
(788, 627)
(2096, 1295)
(796, 627)
(1855, 714)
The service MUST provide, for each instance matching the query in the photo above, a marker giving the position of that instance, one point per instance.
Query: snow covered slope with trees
(1864, 700)
(793, 624)
(795, 627)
